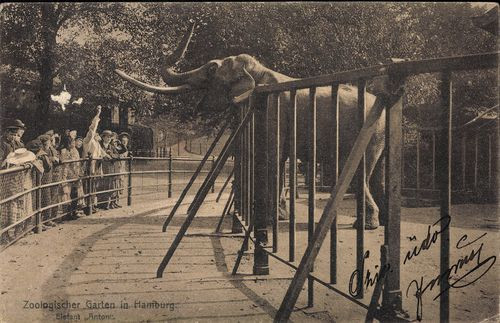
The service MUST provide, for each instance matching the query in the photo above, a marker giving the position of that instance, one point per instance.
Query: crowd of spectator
(63, 159)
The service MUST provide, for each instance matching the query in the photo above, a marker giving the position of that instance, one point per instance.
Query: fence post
(89, 186)
(213, 163)
(170, 173)
(392, 297)
(129, 193)
(38, 202)
(261, 258)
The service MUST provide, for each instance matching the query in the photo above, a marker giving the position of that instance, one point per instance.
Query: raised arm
(93, 126)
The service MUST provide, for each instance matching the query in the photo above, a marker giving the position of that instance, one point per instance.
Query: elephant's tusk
(152, 88)
(243, 96)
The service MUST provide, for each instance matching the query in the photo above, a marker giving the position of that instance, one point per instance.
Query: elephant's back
(348, 116)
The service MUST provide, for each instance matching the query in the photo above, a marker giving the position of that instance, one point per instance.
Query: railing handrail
(403, 68)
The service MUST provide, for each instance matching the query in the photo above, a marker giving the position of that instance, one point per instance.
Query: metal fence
(258, 180)
(29, 198)
(473, 154)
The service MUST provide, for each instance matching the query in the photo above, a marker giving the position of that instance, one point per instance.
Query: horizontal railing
(30, 198)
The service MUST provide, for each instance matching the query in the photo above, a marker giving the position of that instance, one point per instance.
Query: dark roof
(488, 21)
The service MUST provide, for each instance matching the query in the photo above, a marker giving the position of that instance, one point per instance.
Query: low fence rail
(30, 198)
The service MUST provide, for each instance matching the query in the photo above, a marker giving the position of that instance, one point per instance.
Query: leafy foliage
(85, 42)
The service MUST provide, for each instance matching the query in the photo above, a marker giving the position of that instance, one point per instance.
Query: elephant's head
(224, 80)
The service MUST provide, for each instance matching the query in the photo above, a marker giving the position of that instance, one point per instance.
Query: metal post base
(392, 308)
(261, 258)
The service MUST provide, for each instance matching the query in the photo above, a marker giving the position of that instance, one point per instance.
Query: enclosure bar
(38, 202)
(193, 177)
(248, 191)
(463, 158)
(242, 169)
(204, 190)
(361, 195)
(261, 215)
(225, 211)
(377, 290)
(224, 186)
(311, 176)
(490, 153)
(433, 159)
(392, 296)
(88, 180)
(274, 109)
(476, 160)
(335, 177)
(252, 168)
(404, 68)
(444, 169)
(293, 175)
(170, 173)
(329, 213)
(417, 168)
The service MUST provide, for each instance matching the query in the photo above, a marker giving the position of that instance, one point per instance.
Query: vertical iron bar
(252, 166)
(417, 162)
(476, 159)
(261, 258)
(170, 173)
(433, 159)
(335, 175)
(293, 173)
(464, 160)
(392, 297)
(89, 186)
(246, 151)
(360, 195)
(312, 184)
(38, 202)
(490, 153)
(241, 169)
(275, 169)
(129, 195)
(444, 170)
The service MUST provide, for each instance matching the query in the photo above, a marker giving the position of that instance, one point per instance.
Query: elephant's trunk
(193, 77)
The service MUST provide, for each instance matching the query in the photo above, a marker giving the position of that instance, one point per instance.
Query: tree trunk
(46, 64)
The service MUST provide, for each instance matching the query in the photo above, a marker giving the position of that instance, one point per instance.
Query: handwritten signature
(482, 266)
(429, 240)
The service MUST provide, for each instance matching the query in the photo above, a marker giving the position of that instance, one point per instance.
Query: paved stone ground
(109, 259)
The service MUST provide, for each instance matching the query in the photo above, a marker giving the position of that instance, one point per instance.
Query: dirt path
(108, 261)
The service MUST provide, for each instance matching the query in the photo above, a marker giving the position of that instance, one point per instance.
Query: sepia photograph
(249, 162)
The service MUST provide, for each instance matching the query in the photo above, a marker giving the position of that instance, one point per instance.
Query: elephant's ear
(242, 88)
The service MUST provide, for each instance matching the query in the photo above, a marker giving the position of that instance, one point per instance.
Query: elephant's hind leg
(373, 153)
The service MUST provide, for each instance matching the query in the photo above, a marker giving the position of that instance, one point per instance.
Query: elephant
(231, 80)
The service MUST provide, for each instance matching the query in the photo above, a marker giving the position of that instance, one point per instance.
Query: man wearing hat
(9, 142)
(20, 131)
